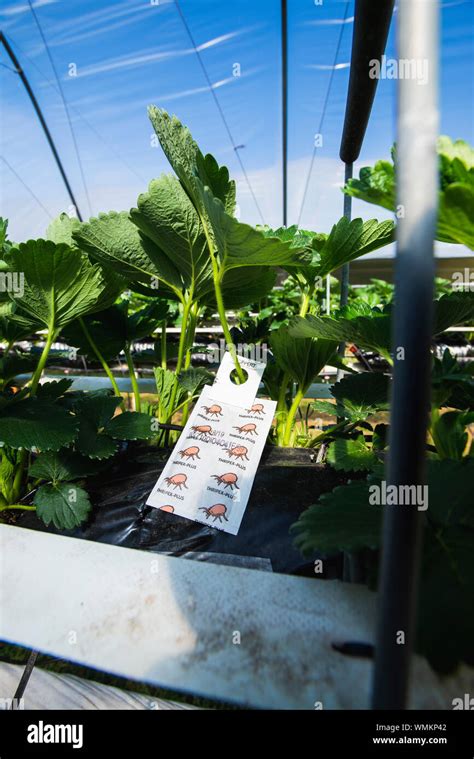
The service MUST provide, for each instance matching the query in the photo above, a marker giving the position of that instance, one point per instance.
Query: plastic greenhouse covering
(218, 66)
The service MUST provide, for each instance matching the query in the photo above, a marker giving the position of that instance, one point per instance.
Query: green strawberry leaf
(62, 228)
(452, 310)
(115, 242)
(53, 390)
(60, 283)
(33, 423)
(351, 455)
(342, 520)
(349, 240)
(239, 244)
(130, 425)
(61, 466)
(64, 504)
(166, 216)
(446, 599)
(371, 332)
(95, 413)
(108, 330)
(192, 380)
(364, 389)
(303, 360)
(192, 168)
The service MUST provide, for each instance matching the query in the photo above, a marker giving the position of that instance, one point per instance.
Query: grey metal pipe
(344, 291)
(348, 168)
(417, 190)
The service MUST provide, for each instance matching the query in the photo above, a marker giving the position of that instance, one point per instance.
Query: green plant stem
(190, 341)
(225, 328)
(8, 349)
(216, 275)
(100, 357)
(181, 354)
(164, 361)
(179, 364)
(188, 400)
(305, 301)
(299, 395)
(133, 377)
(183, 336)
(18, 479)
(282, 409)
(191, 331)
(281, 403)
(330, 432)
(17, 506)
(42, 362)
(23, 455)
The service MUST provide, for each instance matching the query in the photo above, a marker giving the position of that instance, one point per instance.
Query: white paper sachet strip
(237, 395)
(209, 475)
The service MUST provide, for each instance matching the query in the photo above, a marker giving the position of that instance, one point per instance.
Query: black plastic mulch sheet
(286, 483)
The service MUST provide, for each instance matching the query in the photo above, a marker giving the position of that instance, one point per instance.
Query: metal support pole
(42, 121)
(284, 106)
(417, 190)
(348, 215)
(345, 269)
(29, 667)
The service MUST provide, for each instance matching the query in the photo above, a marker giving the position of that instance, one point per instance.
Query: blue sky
(130, 53)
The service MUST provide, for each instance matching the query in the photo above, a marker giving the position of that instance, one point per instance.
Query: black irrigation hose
(355, 648)
(371, 26)
(175, 427)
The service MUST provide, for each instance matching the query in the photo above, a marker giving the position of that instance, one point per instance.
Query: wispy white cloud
(128, 61)
(113, 109)
(331, 21)
(112, 18)
(14, 10)
(150, 56)
(218, 40)
(93, 19)
(328, 66)
(99, 22)
(196, 91)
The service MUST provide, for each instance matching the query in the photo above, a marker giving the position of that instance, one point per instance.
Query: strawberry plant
(183, 235)
(297, 361)
(377, 185)
(48, 436)
(348, 518)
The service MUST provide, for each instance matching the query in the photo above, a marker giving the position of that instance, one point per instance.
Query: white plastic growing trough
(239, 635)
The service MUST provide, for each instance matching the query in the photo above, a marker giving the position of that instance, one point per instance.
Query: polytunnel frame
(417, 193)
